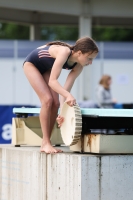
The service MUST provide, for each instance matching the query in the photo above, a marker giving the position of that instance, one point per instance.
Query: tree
(59, 32)
(14, 31)
(112, 34)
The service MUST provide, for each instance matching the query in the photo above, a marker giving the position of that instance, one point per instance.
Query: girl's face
(86, 58)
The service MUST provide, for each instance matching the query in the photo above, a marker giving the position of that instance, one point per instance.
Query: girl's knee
(47, 101)
(56, 104)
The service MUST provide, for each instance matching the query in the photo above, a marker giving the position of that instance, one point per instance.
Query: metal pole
(102, 57)
(14, 70)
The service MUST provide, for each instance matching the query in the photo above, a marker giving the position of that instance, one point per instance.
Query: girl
(42, 68)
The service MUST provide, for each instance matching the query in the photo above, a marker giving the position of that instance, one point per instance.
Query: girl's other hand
(60, 120)
(70, 100)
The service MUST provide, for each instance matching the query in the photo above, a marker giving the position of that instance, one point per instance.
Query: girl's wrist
(66, 94)
(60, 109)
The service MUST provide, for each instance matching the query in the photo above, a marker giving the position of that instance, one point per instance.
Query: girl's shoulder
(58, 50)
(41, 47)
(59, 47)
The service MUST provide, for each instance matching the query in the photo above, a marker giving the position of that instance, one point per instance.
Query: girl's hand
(70, 100)
(60, 120)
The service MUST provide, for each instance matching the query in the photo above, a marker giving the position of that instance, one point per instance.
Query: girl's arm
(61, 57)
(70, 80)
(68, 85)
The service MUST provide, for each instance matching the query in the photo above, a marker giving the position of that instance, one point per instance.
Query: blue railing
(108, 50)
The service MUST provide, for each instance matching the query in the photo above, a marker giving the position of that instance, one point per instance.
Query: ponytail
(60, 43)
(84, 45)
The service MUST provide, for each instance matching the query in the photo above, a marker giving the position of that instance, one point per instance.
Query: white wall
(121, 72)
(15, 88)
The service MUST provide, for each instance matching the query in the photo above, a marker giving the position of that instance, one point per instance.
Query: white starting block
(90, 142)
(76, 129)
(26, 130)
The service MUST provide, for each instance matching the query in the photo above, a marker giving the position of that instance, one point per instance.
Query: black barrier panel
(96, 122)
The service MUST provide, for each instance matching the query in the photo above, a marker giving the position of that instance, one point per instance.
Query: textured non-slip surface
(86, 111)
(72, 125)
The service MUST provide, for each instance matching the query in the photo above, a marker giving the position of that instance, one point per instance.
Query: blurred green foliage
(112, 34)
(59, 32)
(14, 31)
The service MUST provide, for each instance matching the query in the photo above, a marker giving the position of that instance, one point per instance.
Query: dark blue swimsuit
(43, 61)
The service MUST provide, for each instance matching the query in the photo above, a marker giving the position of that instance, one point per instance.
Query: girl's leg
(42, 89)
(55, 104)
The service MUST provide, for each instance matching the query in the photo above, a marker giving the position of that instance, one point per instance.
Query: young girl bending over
(42, 68)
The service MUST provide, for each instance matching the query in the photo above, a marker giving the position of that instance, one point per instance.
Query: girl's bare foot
(48, 148)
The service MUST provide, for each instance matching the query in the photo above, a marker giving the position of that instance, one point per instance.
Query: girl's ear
(79, 53)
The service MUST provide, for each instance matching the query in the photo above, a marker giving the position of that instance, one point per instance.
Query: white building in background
(84, 13)
(115, 59)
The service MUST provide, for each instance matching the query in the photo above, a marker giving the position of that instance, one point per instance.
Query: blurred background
(27, 25)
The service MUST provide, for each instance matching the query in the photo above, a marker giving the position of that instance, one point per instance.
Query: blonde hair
(104, 81)
(85, 45)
